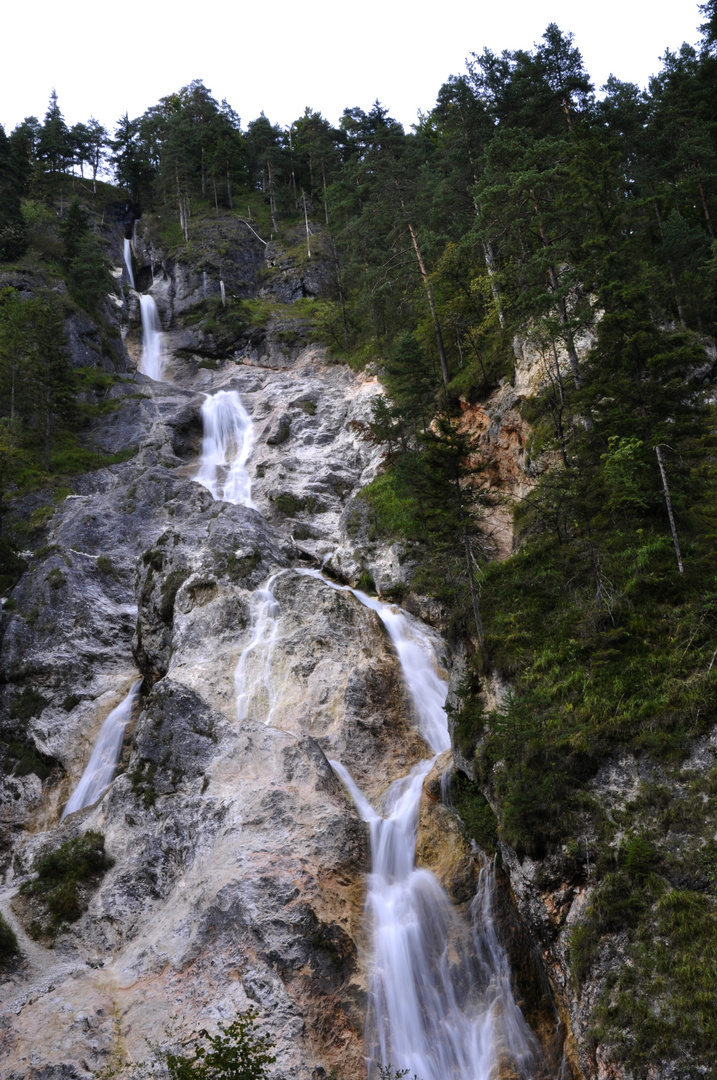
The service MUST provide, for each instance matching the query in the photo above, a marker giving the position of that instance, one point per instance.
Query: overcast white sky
(280, 56)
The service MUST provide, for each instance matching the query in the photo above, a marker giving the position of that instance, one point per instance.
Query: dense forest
(526, 214)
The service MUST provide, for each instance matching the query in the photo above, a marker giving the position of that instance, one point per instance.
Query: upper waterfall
(226, 446)
(128, 261)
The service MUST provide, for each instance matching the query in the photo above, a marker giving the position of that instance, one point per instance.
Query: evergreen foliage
(521, 213)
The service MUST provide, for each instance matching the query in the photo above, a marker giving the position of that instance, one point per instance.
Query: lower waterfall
(226, 445)
(152, 361)
(100, 769)
(440, 999)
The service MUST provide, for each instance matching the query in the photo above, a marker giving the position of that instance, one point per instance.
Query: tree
(74, 228)
(236, 1052)
(89, 279)
(54, 146)
(97, 142)
(13, 235)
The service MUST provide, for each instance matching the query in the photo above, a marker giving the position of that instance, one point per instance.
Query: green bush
(8, 942)
(236, 1052)
(64, 875)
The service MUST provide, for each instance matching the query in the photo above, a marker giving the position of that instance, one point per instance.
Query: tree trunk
(432, 305)
(561, 305)
(326, 202)
(306, 221)
(229, 187)
(670, 515)
(494, 283)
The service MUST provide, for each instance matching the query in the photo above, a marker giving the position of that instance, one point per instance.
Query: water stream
(152, 361)
(440, 1000)
(128, 261)
(226, 446)
(100, 769)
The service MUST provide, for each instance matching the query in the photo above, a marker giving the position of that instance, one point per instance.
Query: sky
(281, 56)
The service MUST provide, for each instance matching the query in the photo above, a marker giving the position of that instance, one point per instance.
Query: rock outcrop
(239, 859)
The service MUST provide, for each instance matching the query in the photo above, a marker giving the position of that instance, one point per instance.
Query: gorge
(357, 578)
(241, 860)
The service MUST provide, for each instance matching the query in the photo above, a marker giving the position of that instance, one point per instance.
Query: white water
(152, 360)
(440, 1001)
(254, 676)
(226, 447)
(419, 664)
(100, 769)
(128, 261)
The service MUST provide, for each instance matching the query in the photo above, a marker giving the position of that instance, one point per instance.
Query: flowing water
(100, 769)
(128, 261)
(254, 676)
(440, 1000)
(152, 361)
(226, 447)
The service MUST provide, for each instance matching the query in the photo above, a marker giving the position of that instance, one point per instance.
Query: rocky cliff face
(240, 861)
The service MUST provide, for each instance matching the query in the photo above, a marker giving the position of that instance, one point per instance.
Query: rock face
(239, 859)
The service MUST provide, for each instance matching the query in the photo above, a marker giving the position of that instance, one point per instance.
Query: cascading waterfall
(226, 447)
(152, 360)
(100, 769)
(128, 261)
(254, 676)
(440, 1000)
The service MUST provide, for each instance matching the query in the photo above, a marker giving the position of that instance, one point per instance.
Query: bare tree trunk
(326, 202)
(494, 283)
(229, 187)
(306, 221)
(670, 515)
(472, 583)
(432, 305)
(272, 204)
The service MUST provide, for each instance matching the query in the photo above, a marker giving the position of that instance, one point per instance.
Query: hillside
(462, 377)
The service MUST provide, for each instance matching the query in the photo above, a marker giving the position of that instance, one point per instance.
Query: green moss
(169, 589)
(475, 812)
(290, 505)
(366, 583)
(56, 579)
(27, 704)
(237, 568)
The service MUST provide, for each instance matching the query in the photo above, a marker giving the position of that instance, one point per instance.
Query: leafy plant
(237, 1051)
(65, 876)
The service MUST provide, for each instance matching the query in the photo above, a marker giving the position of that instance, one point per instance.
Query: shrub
(8, 942)
(61, 874)
(236, 1052)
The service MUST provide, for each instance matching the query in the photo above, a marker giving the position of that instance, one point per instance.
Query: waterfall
(100, 769)
(440, 1001)
(254, 675)
(152, 360)
(128, 261)
(226, 446)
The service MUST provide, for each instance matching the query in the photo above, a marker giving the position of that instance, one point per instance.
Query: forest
(527, 213)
